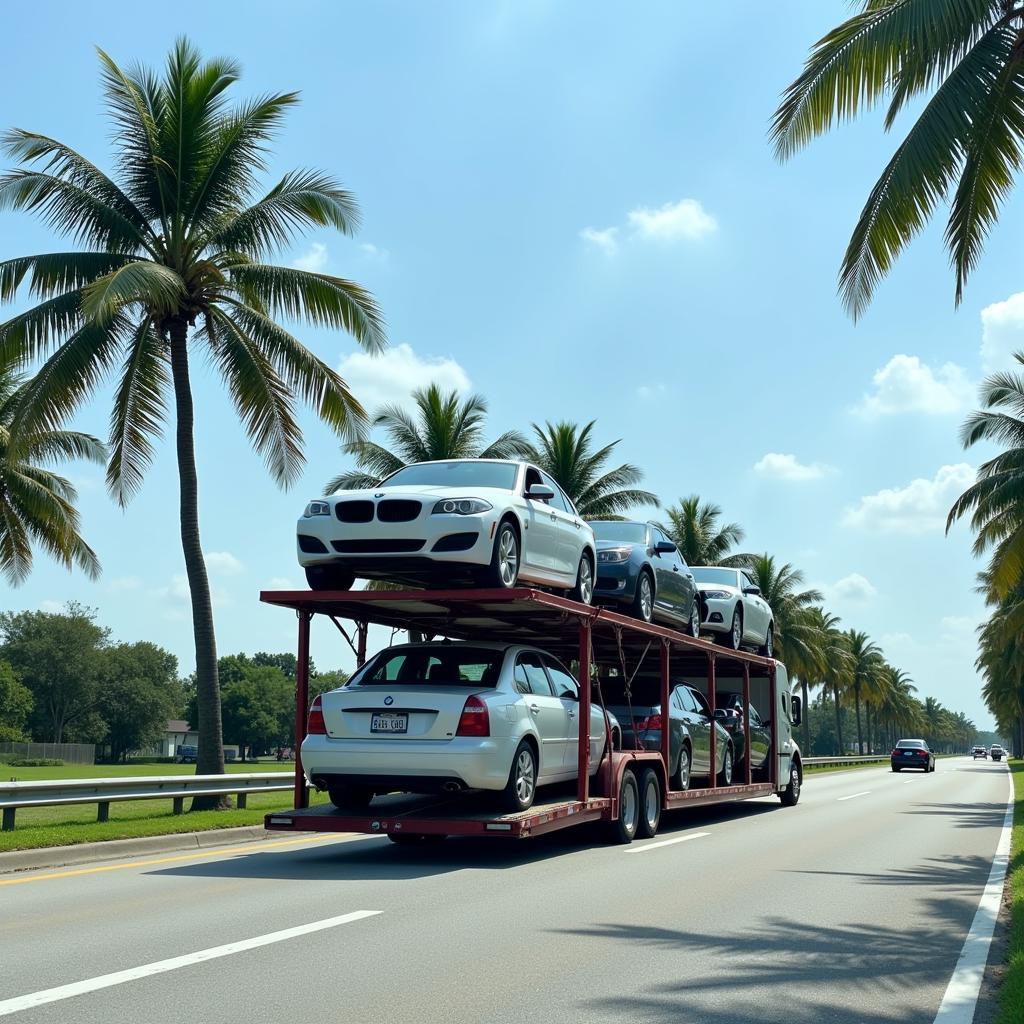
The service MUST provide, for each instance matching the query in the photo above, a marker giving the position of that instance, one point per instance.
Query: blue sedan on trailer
(640, 568)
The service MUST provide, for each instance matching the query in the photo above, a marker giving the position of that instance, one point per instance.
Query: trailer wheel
(624, 828)
(725, 775)
(350, 798)
(790, 796)
(650, 804)
(681, 779)
(522, 779)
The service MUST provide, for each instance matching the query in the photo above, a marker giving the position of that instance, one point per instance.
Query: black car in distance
(912, 754)
(639, 567)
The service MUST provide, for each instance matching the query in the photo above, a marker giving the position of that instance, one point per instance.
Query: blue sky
(577, 214)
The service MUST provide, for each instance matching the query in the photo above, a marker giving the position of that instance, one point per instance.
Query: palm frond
(56, 273)
(155, 287)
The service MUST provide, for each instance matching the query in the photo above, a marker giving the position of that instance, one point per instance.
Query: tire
(767, 649)
(521, 787)
(790, 796)
(329, 577)
(734, 638)
(503, 572)
(694, 626)
(350, 798)
(584, 589)
(643, 599)
(681, 778)
(725, 775)
(650, 804)
(623, 829)
(895, 769)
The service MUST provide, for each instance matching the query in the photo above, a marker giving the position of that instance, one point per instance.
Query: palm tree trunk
(867, 724)
(856, 704)
(807, 718)
(210, 755)
(839, 724)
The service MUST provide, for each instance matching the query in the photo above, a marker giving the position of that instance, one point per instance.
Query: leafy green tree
(694, 526)
(37, 506)
(139, 692)
(177, 243)
(867, 665)
(259, 708)
(823, 660)
(58, 656)
(566, 451)
(441, 425)
(15, 705)
(967, 139)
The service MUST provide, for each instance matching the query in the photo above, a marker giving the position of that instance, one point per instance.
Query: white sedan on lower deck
(493, 522)
(444, 717)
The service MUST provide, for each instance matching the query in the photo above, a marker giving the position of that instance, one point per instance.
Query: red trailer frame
(573, 631)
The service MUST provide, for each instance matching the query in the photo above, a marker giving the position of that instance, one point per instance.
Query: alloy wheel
(684, 770)
(630, 807)
(737, 631)
(646, 598)
(508, 558)
(769, 643)
(695, 619)
(794, 781)
(524, 776)
(585, 585)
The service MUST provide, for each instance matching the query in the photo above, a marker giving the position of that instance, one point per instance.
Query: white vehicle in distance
(489, 522)
(442, 717)
(733, 608)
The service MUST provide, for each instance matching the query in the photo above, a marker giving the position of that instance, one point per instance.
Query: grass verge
(1011, 991)
(37, 827)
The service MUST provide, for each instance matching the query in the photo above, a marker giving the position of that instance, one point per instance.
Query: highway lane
(850, 908)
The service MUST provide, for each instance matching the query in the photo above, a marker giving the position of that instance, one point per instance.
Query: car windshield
(472, 473)
(910, 743)
(629, 533)
(710, 574)
(439, 664)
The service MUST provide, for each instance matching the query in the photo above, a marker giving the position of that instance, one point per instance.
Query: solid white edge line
(666, 842)
(852, 796)
(53, 995)
(961, 997)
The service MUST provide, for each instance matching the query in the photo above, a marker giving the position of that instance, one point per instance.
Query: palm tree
(867, 663)
(967, 138)
(897, 709)
(827, 666)
(566, 452)
(795, 634)
(444, 427)
(37, 505)
(694, 526)
(176, 246)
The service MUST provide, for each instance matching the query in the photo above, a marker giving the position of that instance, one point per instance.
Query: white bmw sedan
(487, 521)
(733, 608)
(443, 717)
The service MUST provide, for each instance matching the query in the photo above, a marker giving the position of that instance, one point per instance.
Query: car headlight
(461, 507)
(717, 595)
(317, 508)
(614, 554)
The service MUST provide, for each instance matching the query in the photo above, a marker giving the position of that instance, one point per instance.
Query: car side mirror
(754, 591)
(664, 547)
(539, 492)
(796, 709)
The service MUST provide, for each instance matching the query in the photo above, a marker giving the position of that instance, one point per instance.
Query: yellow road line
(212, 852)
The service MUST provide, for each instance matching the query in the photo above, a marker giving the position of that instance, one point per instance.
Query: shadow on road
(951, 873)
(823, 969)
(976, 815)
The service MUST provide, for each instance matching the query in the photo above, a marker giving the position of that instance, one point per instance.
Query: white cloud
(223, 563)
(177, 597)
(53, 607)
(393, 375)
(605, 239)
(919, 507)
(280, 583)
(905, 384)
(122, 583)
(853, 588)
(685, 220)
(1002, 333)
(375, 252)
(649, 392)
(313, 259)
(777, 466)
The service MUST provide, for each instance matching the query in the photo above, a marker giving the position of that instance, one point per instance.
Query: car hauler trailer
(631, 788)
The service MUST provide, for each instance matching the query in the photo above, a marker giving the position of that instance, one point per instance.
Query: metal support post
(240, 800)
(746, 724)
(179, 805)
(713, 780)
(362, 628)
(665, 711)
(583, 754)
(773, 764)
(103, 810)
(301, 707)
(8, 820)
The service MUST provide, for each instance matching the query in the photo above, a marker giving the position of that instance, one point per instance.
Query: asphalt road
(850, 908)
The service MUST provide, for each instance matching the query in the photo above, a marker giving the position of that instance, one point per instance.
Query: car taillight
(921, 753)
(475, 720)
(651, 723)
(895, 752)
(315, 725)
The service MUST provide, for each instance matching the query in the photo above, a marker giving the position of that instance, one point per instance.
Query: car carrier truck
(631, 788)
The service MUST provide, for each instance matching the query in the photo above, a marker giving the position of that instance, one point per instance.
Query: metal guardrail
(103, 792)
(836, 762)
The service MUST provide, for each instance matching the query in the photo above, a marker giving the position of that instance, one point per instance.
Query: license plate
(909, 753)
(389, 721)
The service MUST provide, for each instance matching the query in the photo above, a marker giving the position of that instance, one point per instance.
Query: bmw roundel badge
(389, 701)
